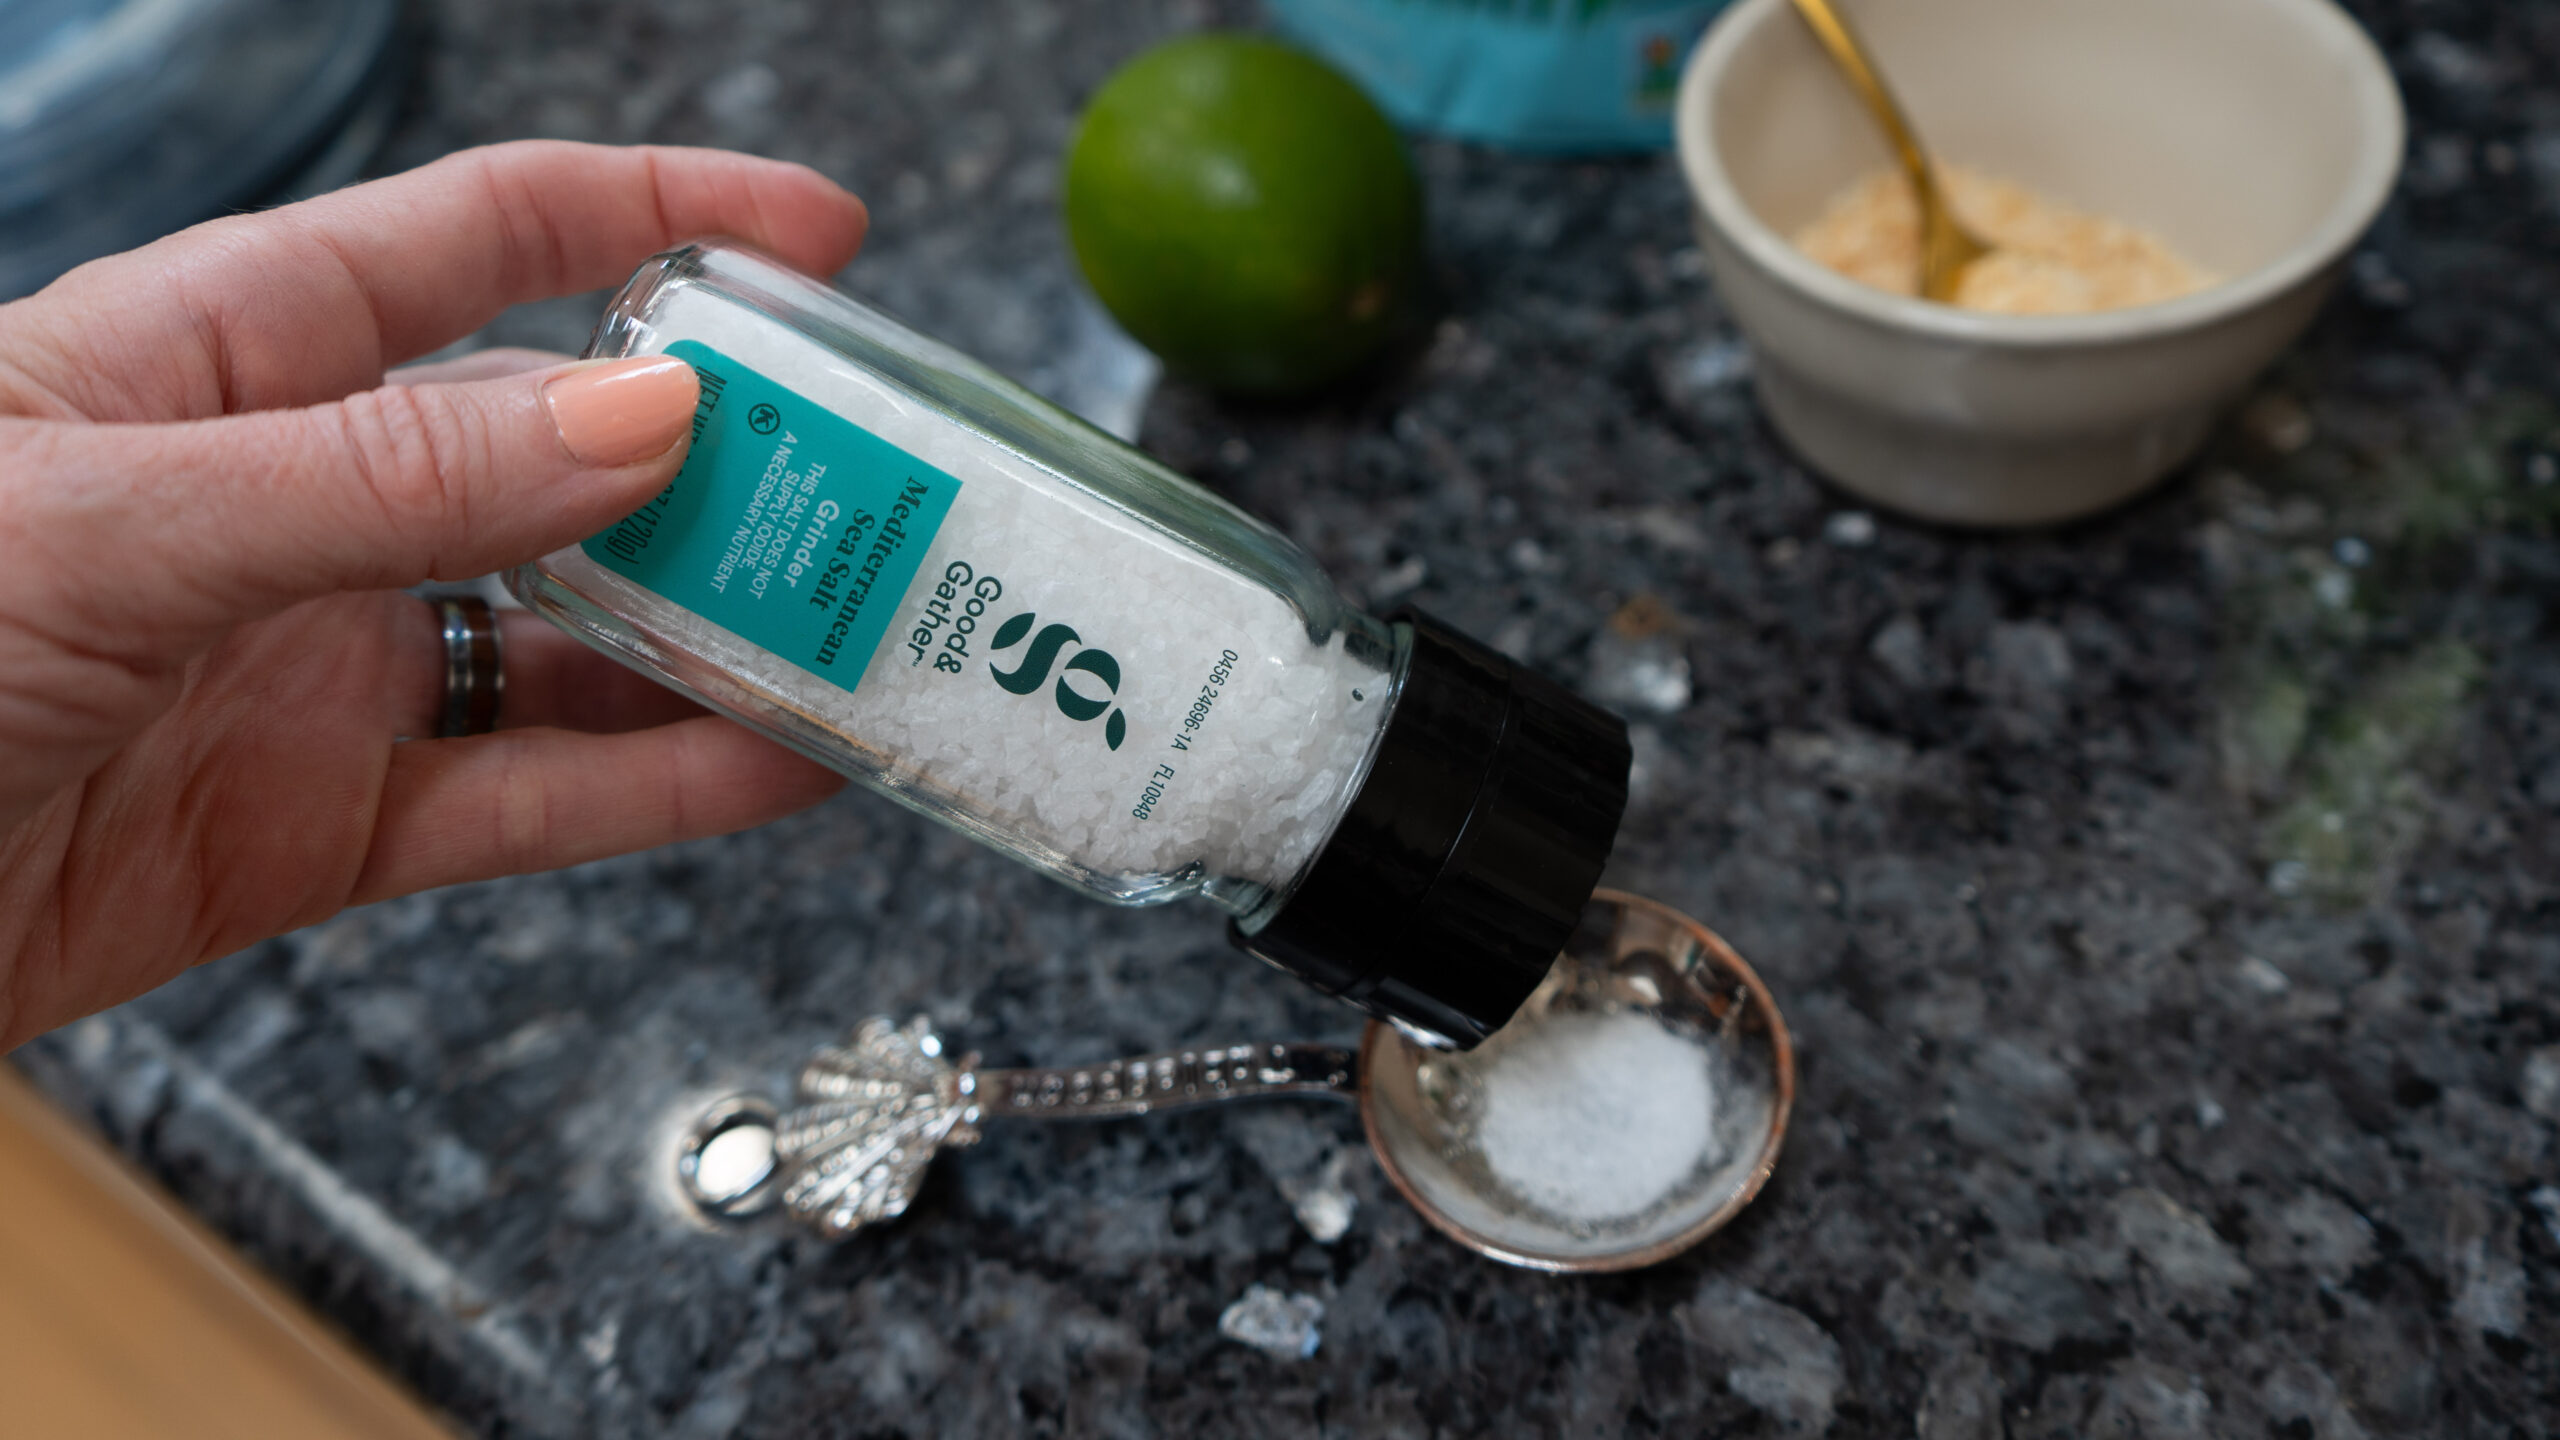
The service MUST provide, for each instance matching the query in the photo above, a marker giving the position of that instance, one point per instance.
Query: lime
(1246, 213)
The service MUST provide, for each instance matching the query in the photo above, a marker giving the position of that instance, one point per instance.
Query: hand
(209, 497)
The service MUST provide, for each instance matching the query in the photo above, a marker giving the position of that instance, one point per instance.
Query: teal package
(1552, 75)
(789, 526)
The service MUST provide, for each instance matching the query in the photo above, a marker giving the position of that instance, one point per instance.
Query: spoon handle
(1831, 28)
(876, 1107)
(1179, 1079)
(1946, 247)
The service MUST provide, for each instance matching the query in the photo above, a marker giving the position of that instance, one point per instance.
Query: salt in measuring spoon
(1632, 1108)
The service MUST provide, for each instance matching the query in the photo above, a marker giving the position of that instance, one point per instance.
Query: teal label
(789, 525)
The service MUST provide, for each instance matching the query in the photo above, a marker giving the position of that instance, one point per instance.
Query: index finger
(313, 301)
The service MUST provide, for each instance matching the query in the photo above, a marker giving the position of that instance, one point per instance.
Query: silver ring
(475, 675)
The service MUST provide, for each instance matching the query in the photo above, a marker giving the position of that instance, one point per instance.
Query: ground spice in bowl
(2047, 258)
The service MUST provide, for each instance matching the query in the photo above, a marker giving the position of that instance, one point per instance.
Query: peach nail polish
(620, 412)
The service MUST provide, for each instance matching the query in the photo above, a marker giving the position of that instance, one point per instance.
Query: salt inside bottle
(889, 558)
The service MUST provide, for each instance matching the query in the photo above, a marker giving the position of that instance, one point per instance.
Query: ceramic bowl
(2258, 137)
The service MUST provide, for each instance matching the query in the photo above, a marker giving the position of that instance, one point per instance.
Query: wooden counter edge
(122, 1315)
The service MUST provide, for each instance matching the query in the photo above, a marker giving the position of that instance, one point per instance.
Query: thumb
(158, 535)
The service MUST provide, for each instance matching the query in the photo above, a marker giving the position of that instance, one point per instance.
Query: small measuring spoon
(1632, 1108)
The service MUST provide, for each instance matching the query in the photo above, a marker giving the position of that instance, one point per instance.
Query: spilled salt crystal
(1595, 1117)
(1280, 1324)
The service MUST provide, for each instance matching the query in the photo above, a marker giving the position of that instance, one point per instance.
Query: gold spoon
(1946, 247)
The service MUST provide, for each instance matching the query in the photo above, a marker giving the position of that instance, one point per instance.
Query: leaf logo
(1042, 657)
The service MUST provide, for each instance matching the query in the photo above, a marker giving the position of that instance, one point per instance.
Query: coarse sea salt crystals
(1595, 1117)
(891, 559)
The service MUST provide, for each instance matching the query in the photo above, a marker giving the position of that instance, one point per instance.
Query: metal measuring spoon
(874, 1110)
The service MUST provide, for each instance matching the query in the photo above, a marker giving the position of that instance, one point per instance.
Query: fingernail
(620, 412)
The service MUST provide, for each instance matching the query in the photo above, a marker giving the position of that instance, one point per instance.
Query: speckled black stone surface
(2168, 907)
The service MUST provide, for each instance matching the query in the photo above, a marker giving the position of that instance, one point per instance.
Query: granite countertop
(2167, 907)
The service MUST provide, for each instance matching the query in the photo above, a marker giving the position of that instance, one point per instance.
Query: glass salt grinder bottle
(898, 563)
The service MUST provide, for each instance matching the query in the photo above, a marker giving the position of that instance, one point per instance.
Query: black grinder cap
(1463, 864)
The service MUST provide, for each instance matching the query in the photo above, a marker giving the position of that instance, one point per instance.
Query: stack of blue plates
(122, 120)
